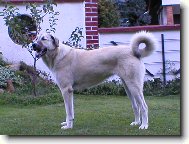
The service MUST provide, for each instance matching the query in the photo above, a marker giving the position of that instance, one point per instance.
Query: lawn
(94, 115)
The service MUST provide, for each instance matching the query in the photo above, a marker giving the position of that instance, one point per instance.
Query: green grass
(94, 115)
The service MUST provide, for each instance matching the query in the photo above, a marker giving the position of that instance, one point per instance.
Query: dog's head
(45, 43)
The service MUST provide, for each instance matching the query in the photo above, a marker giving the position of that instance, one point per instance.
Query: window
(176, 14)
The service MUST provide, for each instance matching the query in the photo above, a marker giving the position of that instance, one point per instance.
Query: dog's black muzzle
(39, 49)
(36, 47)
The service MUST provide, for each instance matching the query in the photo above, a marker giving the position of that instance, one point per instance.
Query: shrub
(134, 12)
(173, 87)
(7, 74)
(44, 83)
(157, 88)
(106, 88)
(51, 98)
(49, 93)
(151, 88)
(2, 62)
(108, 14)
(24, 29)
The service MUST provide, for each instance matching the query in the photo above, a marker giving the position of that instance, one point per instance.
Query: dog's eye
(43, 38)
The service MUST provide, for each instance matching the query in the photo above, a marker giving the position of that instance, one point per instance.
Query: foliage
(157, 87)
(18, 26)
(38, 13)
(108, 14)
(44, 83)
(135, 12)
(106, 88)
(169, 67)
(43, 86)
(46, 99)
(75, 38)
(151, 88)
(7, 74)
(2, 62)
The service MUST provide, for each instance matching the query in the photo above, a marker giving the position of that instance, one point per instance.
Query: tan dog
(79, 69)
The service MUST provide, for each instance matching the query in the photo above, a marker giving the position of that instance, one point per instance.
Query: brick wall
(91, 23)
(169, 11)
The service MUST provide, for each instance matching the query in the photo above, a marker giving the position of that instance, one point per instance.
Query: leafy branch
(75, 38)
(38, 13)
(23, 30)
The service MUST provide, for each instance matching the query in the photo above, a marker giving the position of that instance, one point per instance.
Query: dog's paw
(65, 127)
(143, 126)
(135, 123)
(63, 123)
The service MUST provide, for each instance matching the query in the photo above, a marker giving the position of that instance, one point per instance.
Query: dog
(76, 69)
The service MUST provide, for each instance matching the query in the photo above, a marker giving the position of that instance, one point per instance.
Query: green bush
(157, 88)
(50, 94)
(106, 88)
(7, 74)
(151, 88)
(43, 86)
(2, 62)
(134, 12)
(108, 14)
(12, 99)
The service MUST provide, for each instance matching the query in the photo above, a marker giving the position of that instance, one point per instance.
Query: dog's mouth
(41, 51)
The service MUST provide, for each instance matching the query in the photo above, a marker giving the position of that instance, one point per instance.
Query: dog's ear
(55, 41)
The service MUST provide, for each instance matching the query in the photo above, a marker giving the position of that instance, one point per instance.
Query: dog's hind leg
(136, 93)
(134, 104)
(67, 94)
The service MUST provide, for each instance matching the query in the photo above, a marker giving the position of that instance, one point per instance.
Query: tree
(135, 12)
(19, 26)
(108, 14)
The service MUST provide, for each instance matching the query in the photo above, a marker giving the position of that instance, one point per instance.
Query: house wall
(153, 63)
(170, 2)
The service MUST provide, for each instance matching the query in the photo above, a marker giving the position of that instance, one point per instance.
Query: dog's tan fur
(79, 69)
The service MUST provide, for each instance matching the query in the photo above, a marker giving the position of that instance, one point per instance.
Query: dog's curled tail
(146, 38)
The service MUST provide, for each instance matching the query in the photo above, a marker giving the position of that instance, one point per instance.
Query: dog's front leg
(67, 94)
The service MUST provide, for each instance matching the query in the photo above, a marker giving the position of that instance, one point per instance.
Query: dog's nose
(35, 46)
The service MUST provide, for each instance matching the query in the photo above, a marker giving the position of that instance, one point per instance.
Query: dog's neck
(50, 57)
(60, 52)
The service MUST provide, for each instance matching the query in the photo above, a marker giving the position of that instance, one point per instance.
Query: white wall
(154, 62)
(170, 2)
(163, 17)
(72, 15)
